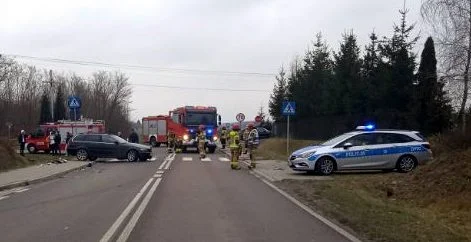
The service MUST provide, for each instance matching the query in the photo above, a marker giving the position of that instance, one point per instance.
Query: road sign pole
(287, 137)
(75, 114)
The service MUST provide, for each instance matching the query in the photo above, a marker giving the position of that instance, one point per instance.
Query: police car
(366, 148)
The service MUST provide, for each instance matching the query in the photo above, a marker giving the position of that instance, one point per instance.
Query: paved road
(182, 199)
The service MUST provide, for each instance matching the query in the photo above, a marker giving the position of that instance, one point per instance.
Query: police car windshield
(337, 139)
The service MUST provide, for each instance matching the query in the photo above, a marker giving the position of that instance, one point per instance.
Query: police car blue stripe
(374, 152)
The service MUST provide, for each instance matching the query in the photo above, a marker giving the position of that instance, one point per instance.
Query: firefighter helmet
(235, 127)
(224, 128)
(250, 125)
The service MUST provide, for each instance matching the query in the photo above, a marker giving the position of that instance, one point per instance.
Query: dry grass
(9, 159)
(275, 148)
(430, 204)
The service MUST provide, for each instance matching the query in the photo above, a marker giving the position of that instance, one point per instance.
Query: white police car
(364, 149)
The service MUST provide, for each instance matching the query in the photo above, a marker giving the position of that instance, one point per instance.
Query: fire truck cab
(184, 123)
(39, 140)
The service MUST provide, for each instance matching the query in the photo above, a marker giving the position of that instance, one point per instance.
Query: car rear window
(421, 136)
(79, 138)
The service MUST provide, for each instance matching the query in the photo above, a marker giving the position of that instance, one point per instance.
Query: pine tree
(59, 105)
(349, 87)
(434, 112)
(371, 76)
(278, 96)
(45, 115)
(399, 68)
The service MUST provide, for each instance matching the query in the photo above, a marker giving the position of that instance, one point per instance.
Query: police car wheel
(406, 164)
(325, 166)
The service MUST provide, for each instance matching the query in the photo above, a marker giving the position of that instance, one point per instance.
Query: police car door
(380, 151)
(356, 156)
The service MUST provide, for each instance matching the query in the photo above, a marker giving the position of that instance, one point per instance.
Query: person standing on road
(68, 137)
(252, 143)
(201, 137)
(223, 136)
(120, 135)
(22, 142)
(245, 137)
(52, 147)
(171, 141)
(57, 141)
(234, 142)
(133, 137)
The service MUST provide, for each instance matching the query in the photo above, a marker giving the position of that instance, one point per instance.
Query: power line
(151, 68)
(200, 88)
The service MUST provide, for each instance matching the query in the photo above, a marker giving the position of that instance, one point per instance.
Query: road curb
(39, 180)
(268, 181)
(307, 209)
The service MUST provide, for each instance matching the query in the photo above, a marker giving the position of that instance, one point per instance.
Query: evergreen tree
(371, 76)
(349, 87)
(45, 115)
(313, 86)
(434, 112)
(59, 105)
(399, 68)
(278, 96)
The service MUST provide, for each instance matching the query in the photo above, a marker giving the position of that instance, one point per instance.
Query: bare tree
(451, 22)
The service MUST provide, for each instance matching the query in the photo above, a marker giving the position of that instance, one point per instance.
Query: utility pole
(51, 82)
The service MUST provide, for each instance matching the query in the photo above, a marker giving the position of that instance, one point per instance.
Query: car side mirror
(347, 145)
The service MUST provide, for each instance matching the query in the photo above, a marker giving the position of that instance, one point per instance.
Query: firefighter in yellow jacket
(234, 143)
(171, 139)
(252, 143)
(201, 137)
(223, 137)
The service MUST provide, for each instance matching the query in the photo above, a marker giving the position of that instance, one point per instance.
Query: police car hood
(307, 149)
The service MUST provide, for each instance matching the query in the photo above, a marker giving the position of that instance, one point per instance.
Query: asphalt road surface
(175, 198)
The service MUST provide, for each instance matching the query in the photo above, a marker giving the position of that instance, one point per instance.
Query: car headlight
(308, 154)
(215, 138)
(185, 137)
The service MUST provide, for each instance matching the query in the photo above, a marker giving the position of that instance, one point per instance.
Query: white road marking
(112, 230)
(206, 159)
(4, 197)
(159, 172)
(223, 159)
(133, 221)
(163, 164)
(187, 158)
(157, 175)
(20, 190)
(310, 211)
(153, 159)
(169, 163)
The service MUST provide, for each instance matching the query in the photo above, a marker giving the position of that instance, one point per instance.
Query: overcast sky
(217, 35)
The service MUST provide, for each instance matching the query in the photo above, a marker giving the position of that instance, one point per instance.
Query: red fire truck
(39, 140)
(184, 122)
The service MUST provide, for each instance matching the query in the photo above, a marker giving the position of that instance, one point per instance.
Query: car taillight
(426, 146)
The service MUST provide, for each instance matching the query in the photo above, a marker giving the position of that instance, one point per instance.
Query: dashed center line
(159, 172)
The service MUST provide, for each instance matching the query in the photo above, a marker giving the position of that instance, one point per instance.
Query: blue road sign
(289, 108)
(74, 102)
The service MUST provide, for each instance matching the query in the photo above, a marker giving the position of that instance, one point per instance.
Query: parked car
(94, 146)
(263, 133)
(364, 149)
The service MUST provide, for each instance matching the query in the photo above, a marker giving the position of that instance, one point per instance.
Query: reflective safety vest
(233, 139)
(253, 137)
(223, 134)
(201, 136)
(245, 134)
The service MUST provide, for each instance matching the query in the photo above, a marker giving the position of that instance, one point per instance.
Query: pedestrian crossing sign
(74, 102)
(289, 108)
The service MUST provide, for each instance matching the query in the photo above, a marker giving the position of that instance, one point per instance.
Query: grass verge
(275, 148)
(10, 159)
(429, 204)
